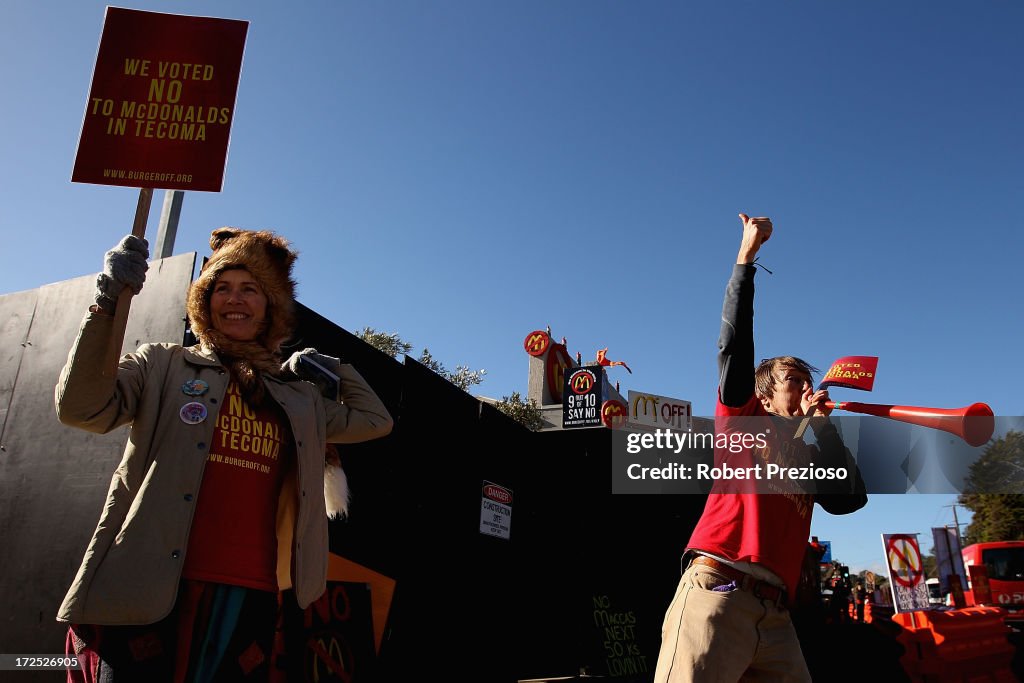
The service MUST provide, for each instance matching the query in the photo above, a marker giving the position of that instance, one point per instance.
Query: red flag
(852, 372)
(602, 359)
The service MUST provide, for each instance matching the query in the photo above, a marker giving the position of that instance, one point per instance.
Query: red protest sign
(906, 572)
(905, 564)
(161, 102)
(852, 372)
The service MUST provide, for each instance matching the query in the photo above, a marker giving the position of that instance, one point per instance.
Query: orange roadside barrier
(956, 646)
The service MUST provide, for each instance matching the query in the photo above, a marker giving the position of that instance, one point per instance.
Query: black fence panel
(580, 584)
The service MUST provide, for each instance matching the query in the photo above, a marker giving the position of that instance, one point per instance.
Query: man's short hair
(764, 375)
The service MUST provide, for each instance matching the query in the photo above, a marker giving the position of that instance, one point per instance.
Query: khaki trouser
(724, 637)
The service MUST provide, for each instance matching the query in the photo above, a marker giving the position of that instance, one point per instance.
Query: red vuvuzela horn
(974, 423)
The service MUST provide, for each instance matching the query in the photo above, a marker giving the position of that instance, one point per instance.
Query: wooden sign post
(159, 111)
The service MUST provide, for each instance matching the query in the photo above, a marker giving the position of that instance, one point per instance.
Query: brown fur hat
(269, 260)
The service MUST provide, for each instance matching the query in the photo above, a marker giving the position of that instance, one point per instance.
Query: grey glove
(123, 266)
(317, 368)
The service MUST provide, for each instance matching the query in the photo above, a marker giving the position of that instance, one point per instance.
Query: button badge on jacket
(192, 413)
(195, 387)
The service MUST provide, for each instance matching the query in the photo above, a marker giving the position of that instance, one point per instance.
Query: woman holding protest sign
(219, 500)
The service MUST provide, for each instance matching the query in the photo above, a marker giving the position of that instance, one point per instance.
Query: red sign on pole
(905, 563)
(162, 100)
(906, 572)
(852, 372)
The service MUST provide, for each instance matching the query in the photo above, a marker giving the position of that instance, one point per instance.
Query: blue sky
(465, 172)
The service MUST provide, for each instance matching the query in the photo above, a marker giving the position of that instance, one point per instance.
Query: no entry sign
(162, 101)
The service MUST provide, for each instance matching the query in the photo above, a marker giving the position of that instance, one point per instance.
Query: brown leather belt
(760, 589)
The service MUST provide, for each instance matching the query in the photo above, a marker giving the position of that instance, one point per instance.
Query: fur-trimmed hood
(269, 259)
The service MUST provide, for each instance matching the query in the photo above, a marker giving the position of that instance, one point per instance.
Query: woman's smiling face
(238, 306)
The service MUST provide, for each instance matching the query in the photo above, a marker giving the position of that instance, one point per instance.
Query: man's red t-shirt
(234, 532)
(743, 526)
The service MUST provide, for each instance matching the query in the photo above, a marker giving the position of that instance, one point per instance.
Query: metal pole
(956, 522)
(168, 228)
(124, 301)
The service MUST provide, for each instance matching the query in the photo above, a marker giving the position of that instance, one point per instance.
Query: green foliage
(388, 342)
(997, 516)
(393, 345)
(523, 412)
(462, 376)
(1000, 469)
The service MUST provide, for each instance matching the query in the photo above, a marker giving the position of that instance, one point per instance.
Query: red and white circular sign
(905, 560)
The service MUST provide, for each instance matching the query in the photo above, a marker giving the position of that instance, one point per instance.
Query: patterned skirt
(215, 632)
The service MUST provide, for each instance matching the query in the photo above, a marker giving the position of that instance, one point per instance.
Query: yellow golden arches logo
(648, 401)
(556, 364)
(536, 343)
(905, 560)
(613, 413)
(582, 381)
